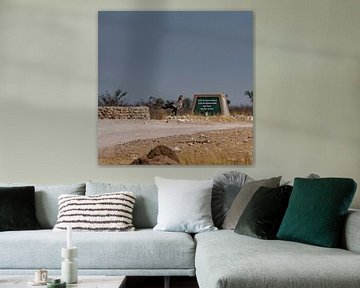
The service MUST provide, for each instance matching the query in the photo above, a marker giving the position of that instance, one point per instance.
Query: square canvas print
(175, 88)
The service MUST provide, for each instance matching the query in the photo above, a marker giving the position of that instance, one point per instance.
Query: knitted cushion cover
(316, 211)
(105, 212)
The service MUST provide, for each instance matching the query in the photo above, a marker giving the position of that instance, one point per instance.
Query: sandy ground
(205, 143)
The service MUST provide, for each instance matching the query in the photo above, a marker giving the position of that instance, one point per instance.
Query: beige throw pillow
(243, 198)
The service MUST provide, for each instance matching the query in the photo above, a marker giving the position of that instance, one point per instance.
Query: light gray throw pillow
(226, 187)
(243, 198)
(184, 205)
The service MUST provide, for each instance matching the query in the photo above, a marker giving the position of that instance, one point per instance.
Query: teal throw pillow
(316, 211)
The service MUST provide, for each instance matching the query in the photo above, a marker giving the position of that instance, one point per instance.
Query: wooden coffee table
(84, 281)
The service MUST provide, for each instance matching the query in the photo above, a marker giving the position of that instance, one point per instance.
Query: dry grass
(157, 114)
(214, 118)
(215, 157)
(237, 115)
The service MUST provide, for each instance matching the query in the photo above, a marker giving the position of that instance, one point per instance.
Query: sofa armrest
(351, 234)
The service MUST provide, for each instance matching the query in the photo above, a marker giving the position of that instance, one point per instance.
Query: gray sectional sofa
(219, 259)
(226, 259)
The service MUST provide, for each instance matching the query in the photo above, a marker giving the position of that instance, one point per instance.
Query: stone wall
(120, 112)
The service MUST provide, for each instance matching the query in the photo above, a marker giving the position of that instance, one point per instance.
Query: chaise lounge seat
(225, 259)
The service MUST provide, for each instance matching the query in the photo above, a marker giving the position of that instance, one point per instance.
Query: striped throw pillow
(105, 212)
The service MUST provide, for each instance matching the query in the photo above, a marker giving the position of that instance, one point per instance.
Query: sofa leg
(167, 282)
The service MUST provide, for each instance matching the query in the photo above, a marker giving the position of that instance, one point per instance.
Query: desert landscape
(176, 140)
(173, 90)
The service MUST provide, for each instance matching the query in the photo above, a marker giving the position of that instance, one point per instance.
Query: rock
(160, 155)
(177, 149)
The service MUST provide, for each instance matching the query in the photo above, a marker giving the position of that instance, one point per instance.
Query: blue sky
(165, 54)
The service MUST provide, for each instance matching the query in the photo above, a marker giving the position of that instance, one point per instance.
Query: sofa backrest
(351, 237)
(46, 200)
(146, 203)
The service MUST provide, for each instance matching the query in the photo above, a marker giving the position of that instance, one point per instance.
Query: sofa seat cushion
(226, 259)
(142, 249)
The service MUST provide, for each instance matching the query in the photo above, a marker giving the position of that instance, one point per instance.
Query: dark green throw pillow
(316, 211)
(264, 212)
(17, 208)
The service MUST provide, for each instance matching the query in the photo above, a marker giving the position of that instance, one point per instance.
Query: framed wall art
(175, 88)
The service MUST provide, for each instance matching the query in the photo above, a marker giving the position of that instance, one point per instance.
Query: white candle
(69, 239)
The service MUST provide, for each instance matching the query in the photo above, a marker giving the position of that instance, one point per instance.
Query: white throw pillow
(184, 205)
(104, 212)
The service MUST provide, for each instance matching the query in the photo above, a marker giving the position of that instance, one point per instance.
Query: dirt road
(113, 132)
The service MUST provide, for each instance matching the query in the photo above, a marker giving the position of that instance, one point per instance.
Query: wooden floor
(158, 282)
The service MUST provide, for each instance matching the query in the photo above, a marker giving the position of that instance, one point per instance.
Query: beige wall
(307, 90)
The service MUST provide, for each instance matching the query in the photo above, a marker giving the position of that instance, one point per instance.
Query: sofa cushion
(225, 189)
(317, 209)
(263, 215)
(225, 259)
(350, 239)
(243, 198)
(137, 250)
(184, 205)
(146, 205)
(46, 200)
(105, 212)
(17, 208)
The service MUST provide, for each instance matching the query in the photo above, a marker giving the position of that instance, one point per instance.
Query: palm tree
(114, 99)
